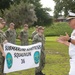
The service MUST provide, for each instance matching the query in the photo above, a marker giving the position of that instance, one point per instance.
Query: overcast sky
(48, 3)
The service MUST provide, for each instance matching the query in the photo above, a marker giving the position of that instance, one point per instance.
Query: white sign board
(21, 57)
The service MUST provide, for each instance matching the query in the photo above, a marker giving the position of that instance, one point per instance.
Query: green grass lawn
(57, 59)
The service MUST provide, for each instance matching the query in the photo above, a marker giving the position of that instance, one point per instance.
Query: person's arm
(67, 38)
(66, 43)
(72, 41)
(7, 34)
(2, 51)
(35, 39)
(63, 42)
(20, 35)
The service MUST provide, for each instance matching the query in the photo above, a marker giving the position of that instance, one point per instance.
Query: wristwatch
(69, 40)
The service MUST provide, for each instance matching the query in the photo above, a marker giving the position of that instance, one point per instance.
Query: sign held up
(21, 57)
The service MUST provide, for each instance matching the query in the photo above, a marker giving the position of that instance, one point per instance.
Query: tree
(5, 4)
(20, 14)
(64, 6)
(41, 13)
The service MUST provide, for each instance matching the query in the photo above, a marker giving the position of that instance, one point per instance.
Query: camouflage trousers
(42, 63)
(1, 64)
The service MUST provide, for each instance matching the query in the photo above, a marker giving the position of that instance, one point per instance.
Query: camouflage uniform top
(24, 37)
(39, 38)
(11, 36)
(2, 37)
(33, 34)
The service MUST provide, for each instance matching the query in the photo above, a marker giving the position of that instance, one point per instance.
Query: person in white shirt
(70, 41)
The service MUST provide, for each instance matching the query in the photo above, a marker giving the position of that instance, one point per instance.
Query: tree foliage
(21, 14)
(41, 13)
(65, 6)
(5, 4)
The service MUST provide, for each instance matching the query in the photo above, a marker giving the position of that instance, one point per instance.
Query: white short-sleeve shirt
(72, 46)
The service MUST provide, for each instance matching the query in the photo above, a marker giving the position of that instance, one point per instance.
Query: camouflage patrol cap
(36, 26)
(2, 21)
(1, 18)
(12, 24)
(40, 27)
(25, 25)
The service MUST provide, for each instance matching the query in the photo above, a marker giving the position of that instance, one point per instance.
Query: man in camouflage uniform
(39, 37)
(2, 54)
(24, 36)
(35, 32)
(11, 34)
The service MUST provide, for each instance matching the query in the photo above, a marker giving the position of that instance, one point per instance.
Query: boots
(39, 73)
